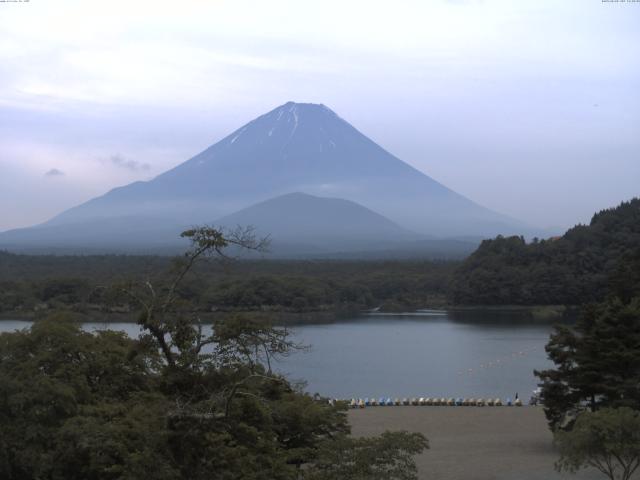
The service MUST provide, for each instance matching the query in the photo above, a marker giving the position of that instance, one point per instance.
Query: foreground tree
(389, 456)
(608, 440)
(181, 402)
(597, 363)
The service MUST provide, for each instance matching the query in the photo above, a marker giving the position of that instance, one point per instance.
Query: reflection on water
(426, 353)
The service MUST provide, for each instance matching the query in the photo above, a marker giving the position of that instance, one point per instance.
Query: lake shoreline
(533, 313)
(402, 355)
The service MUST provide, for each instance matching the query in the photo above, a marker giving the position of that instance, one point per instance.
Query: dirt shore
(474, 443)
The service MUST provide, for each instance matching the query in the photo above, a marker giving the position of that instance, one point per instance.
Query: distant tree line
(31, 284)
(571, 270)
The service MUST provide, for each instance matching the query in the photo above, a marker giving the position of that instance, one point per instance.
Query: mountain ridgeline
(586, 264)
(295, 148)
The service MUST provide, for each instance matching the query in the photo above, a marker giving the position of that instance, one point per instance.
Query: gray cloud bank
(54, 172)
(120, 161)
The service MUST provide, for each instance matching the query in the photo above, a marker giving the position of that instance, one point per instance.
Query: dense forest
(36, 284)
(573, 269)
(569, 270)
(175, 403)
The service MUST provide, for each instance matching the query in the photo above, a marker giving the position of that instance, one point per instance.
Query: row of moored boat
(451, 402)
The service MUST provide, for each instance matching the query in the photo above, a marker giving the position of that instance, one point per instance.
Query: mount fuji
(297, 147)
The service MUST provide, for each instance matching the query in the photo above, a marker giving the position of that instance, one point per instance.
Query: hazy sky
(528, 107)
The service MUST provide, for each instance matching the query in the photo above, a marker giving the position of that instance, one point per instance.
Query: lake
(427, 353)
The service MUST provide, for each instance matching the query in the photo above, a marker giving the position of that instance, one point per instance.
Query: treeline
(577, 268)
(31, 284)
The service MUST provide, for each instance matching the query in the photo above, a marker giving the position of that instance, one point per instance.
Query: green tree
(58, 383)
(181, 402)
(608, 440)
(597, 362)
(387, 457)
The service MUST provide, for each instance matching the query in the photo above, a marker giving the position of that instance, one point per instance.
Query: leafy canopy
(180, 402)
(608, 440)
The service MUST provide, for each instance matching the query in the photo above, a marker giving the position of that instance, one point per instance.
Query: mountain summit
(297, 147)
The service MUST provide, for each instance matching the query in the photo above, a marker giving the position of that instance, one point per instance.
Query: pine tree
(597, 362)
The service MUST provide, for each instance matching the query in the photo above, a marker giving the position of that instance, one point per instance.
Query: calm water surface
(426, 354)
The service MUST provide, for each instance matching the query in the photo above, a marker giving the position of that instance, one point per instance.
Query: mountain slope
(313, 224)
(294, 148)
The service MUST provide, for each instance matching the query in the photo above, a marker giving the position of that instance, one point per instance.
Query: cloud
(54, 172)
(120, 161)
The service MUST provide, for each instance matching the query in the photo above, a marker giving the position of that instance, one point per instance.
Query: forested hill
(581, 266)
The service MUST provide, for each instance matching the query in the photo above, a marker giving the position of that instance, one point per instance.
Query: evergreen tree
(597, 362)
